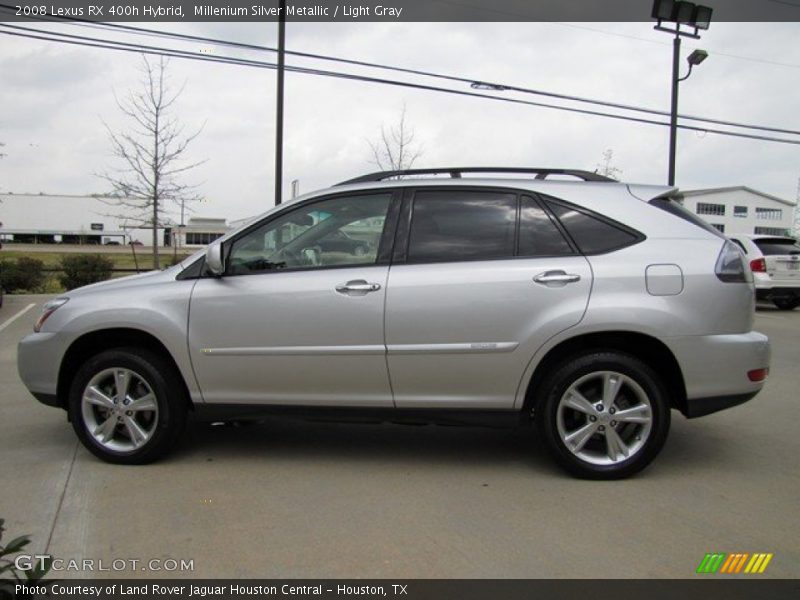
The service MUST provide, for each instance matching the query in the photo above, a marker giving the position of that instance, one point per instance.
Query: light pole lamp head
(702, 16)
(696, 57)
(681, 12)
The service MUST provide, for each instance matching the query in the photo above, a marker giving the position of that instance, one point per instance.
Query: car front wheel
(603, 415)
(127, 405)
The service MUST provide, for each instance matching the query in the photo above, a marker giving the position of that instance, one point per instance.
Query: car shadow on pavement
(291, 440)
(283, 439)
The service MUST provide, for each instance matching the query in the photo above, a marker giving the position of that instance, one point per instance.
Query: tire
(787, 303)
(150, 418)
(360, 250)
(582, 434)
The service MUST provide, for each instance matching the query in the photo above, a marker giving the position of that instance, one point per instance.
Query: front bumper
(38, 358)
(715, 369)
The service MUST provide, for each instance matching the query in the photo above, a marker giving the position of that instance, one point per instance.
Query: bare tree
(151, 151)
(396, 150)
(606, 168)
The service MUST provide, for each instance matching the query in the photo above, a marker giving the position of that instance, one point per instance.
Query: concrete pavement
(293, 499)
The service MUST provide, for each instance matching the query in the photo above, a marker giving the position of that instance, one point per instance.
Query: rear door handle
(556, 278)
(357, 287)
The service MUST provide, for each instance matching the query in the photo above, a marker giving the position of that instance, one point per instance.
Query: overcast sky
(54, 99)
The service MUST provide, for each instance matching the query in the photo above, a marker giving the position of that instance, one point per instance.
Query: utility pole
(796, 223)
(279, 104)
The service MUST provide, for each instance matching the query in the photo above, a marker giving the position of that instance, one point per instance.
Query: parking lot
(295, 499)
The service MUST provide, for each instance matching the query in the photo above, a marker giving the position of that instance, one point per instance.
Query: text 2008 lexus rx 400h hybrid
(589, 309)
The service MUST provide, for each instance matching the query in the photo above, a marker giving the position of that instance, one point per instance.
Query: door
(294, 321)
(484, 279)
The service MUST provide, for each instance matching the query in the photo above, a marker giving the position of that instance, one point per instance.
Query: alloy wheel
(604, 418)
(119, 409)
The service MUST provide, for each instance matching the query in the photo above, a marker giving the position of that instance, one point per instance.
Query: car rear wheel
(127, 405)
(603, 415)
(787, 303)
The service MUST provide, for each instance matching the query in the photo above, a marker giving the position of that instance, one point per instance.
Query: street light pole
(279, 102)
(694, 17)
(673, 114)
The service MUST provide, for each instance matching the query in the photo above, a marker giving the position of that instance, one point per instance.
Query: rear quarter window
(591, 233)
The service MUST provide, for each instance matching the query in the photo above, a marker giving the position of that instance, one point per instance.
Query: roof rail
(455, 173)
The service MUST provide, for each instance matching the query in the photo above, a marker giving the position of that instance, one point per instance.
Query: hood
(137, 280)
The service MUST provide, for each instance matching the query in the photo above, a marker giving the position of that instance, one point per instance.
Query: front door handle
(357, 287)
(556, 278)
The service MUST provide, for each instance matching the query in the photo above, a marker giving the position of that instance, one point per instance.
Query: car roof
(599, 191)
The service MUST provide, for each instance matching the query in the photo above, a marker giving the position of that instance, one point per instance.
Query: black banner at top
(384, 10)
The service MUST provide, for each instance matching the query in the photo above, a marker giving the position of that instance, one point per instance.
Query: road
(290, 499)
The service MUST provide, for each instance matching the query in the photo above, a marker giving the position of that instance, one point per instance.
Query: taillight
(757, 375)
(758, 265)
(731, 266)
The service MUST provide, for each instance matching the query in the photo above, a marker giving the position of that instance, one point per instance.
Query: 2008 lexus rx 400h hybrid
(589, 309)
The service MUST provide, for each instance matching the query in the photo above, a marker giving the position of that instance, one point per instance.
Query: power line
(637, 38)
(447, 77)
(156, 50)
(501, 87)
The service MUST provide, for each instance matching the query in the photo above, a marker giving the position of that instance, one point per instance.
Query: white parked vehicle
(775, 262)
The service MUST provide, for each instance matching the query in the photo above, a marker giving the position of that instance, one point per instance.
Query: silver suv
(588, 309)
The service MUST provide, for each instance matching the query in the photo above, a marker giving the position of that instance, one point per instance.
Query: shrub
(83, 269)
(8, 567)
(22, 274)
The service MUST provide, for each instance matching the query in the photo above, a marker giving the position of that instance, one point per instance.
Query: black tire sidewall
(565, 374)
(170, 398)
(785, 304)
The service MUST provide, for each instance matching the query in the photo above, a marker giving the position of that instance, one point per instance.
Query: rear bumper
(700, 407)
(715, 369)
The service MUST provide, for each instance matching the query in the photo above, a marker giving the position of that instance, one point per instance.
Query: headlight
(48, 310)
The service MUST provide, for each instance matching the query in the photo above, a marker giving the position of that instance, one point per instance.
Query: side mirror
(311, 256)
(214, 259)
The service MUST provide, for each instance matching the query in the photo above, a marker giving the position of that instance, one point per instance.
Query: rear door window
(462, 225)
(538, 234)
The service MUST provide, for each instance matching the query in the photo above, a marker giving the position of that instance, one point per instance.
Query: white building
(200, 231)
(49, 219)
(741, 209)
